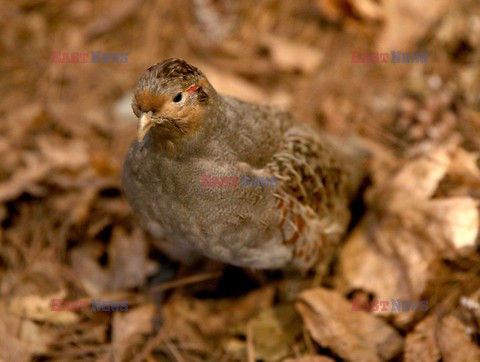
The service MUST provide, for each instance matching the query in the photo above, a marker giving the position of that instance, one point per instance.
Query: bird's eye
(178, 98)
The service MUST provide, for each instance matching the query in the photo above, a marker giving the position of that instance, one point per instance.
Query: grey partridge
(283, 191)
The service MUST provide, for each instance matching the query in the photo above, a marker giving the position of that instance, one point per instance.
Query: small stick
(185, 281)
(250, 346)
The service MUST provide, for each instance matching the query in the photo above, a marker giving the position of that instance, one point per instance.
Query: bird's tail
(355, 157)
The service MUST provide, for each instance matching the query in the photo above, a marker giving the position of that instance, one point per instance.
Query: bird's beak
(144, 125)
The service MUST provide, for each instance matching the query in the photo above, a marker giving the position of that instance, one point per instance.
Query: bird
(293, 211)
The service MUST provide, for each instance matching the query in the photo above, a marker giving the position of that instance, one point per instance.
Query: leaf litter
(67, 233)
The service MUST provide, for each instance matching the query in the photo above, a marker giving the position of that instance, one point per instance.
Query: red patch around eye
(193, 88)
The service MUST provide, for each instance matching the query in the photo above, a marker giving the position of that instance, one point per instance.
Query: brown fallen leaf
(94, 278)
(449, 222)
(420, 344)
(129, 327)
(36, 336)
(193, 322)
(407, 22)
(352, 335)
(418, 178)
(38, 166)
(407, 230)
(274, 331)
(70, 155)
(362, 266)
(216, 19)
(38, 308)
(233, 85)
(454, 343)
(289, 56)
(180, 323)
(12, 348)
(23, 179)
(369, 9)
(453, 224)
(339, 10)
(111, 19)
(129, 265)
(464, 165)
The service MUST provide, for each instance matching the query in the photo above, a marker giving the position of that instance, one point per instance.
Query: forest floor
(67, 232)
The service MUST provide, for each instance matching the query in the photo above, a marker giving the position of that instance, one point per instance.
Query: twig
(308, 341)
(118, 13)
(149, 346)
(250, 346)
(185, 281)
(173, 350)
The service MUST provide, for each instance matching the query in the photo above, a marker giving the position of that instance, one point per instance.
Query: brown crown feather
(168, 75)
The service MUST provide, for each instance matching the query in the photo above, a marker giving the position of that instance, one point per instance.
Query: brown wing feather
(313, 195)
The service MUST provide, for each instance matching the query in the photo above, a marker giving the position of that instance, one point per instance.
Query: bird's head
(171, 96)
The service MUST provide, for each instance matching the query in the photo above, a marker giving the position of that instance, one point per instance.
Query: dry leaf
(39, 166)
(181, 320)
(420, 344)
(353, 335)
(391, 254)
(464, 165)
(453, 223)
(289, 56)
(70, 155)
(129, 265)
(362, 266)
(195, 321)
(419, 178)
(23, 179)
(454, 343)
(407, 22)
(339, 10)
(39, 308)
(128, 328)
(37, 337)
(11, 347)
(274, 331)
(85, 262)
(369, 9)
(231, 84)
(64, 134)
